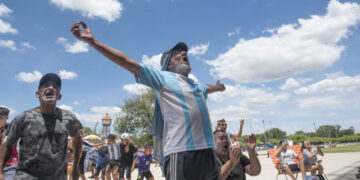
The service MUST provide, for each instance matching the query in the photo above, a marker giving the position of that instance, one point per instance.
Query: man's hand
(241, 122)
(85, 34)
(235, 154)
(251, 143)
(75, 173)
(220, 87)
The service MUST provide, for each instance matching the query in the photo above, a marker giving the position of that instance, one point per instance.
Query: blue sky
(289, 63)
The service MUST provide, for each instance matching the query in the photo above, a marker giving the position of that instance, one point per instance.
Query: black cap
(50, 78)
(111, 136)
(222, 120)
(4, 111)
(180, 46)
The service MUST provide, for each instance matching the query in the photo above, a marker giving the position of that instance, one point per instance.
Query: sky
(287, 64)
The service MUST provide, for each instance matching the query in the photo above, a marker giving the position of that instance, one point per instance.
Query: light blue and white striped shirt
(114, 151)
(187, 123)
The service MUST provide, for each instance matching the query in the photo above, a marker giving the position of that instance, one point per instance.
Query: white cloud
(4, 10)
(106, 109)
(319, 102)
(12, 111)
(7, 28)
(28, 77)
(76, 102)
(335, 82)
(8, 44)
(237, 31)
(135, 88)
(199, 50)
(66, 107)
(250, 96)
(232, 113)
(109, 10)
(27, 45)
(153, 61)
(332, 115)
(309, 44)
(67, 74)
(76, 47)
(290, 84)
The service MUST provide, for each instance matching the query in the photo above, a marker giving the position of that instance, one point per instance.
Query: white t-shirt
(287, 157)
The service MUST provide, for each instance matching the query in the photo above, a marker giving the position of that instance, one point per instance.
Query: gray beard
(182, 68)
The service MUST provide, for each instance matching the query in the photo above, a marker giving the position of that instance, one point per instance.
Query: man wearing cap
(10, 167)
(43, 132)
(127, 150)
(180, 102)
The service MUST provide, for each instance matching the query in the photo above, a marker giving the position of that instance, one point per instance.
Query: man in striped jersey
(114, 158)
(187, 133)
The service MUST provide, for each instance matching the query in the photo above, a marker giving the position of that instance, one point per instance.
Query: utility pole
(266, 141)
(271, 135)
(315, 128)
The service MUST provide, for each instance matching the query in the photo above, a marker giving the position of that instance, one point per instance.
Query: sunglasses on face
(224, 124)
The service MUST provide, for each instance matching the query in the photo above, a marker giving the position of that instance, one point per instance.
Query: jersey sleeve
(150, 77)
(14, 130)
(204, 89)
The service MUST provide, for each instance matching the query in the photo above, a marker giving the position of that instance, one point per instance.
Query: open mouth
(49, 93)
(226, 146)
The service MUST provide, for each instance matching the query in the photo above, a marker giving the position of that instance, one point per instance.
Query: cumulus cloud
(6, 27)
(27, 45)
(250, 96)
(109, 10)
(4, 10)
(67, 74)
(135, 88)
(12, 111)
(233, 33)
(309, 44)
(8, 44)
(106, 109)
(232, 113)
(73, 48)
(320, 102)
(198, 50)
(28, 77)
(290, 84)
(66, 107)
(335, 82)
(153, 61)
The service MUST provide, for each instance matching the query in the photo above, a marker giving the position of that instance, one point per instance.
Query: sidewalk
(337, 166)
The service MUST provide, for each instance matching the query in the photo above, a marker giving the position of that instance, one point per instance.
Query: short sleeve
(14, 130)
(204, 89)
(244, 161)
(150, 77)
(134, 149)
(74, 125)
(305, 153)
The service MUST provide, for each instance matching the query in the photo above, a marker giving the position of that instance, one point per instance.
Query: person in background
(221, 124)
(144, 160)
(310, 158)
(127, 150)
(102, 157)
(10, 167)
(286, 157)
(113, 163)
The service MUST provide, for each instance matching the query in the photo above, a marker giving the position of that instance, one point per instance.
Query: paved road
(338, 166)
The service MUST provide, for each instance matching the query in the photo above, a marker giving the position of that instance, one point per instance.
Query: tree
(276, 133)
(136, 116)
(87, 131)
(299, 133)
(328, 131)
(347, 132)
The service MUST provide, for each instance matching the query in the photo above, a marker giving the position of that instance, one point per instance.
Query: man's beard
(182, 68)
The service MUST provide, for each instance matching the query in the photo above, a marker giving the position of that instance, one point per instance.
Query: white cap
(124, 136)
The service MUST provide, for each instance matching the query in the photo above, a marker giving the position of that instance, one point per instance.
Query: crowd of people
(48, 138)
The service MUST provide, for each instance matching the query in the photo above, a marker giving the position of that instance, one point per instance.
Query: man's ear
(59, 97)
(37, 94)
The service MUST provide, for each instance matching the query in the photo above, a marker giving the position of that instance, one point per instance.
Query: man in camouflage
(43, 133)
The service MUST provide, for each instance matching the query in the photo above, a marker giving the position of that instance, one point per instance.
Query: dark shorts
(100, 169)
(199, 165)
(81, 162)
(146, 174)
(294, 167)
(122, 170)
(113, 164)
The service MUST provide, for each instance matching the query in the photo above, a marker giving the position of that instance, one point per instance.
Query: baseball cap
(50, 78)
(180, 46)
(222, 120)
(111, 136)
(4, 111)
(124, 136)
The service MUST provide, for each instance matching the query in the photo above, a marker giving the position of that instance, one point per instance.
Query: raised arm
(114, 55)
(238, 135)
(215, 88)
(5, 153)
(254, 168)
(278, 151)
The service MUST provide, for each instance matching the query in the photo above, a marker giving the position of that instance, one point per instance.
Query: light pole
(266, 141)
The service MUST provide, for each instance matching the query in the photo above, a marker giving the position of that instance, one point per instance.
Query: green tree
(87, 131)
(300, 133)
(328, 131)
(275, 133)
(136, 116)
(347, 132)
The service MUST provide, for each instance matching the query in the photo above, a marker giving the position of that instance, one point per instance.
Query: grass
(342, 149)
